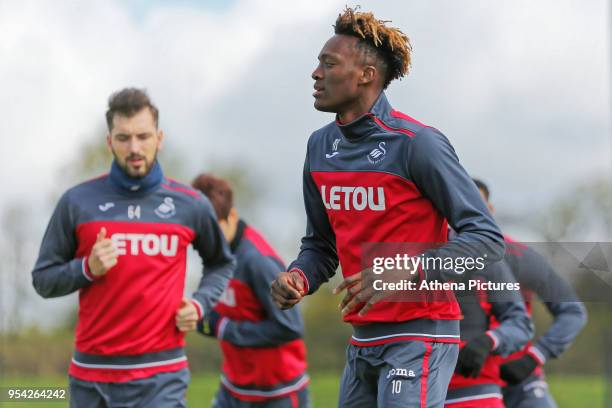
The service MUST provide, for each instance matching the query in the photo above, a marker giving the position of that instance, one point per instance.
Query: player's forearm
(568, 322)
(318, 264)
(441, 178)
(481, 240)
(477, 237)
(475, 247)
(212, 285)
(265, 333)
(53, 280)
(515, 329)
(318, 258)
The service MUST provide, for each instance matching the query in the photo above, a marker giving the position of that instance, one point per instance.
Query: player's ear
(108, 142)
(368, 75)
(160, 139)
(233, 216)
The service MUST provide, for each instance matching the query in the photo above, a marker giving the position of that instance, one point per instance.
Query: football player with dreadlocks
(377, 176)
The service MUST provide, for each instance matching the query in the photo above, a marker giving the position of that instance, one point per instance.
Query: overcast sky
(521, 88)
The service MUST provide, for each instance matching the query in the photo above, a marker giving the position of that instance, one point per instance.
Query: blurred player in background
(121, 241)
(495, 323)
(526, 386)
(264, 357)
(375, 175)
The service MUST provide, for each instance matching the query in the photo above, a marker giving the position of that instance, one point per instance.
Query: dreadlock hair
(388, 45)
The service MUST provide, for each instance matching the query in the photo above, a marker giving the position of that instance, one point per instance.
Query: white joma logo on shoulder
(148, 244)
(334, 149)
(106, 206)
(353, 198)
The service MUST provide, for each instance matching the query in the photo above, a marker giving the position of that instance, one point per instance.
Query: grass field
(570, 392)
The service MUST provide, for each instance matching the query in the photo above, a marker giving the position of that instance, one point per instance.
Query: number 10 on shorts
(396, 386)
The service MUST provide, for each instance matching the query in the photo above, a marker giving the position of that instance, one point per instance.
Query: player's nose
(317, 74)
(135, 145)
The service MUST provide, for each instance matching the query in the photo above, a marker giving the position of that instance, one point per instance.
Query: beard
(133, 172)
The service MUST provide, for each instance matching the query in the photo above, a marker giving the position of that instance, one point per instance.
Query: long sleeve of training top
(515, 327)
(57, 272)
(318, 258)
(435, 169)
(218, 261)
(569, 314)
(278, 326)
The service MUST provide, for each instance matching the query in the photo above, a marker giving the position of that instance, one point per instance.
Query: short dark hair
(482, 186)
(218, 191)
(390, 47)
(128, 102)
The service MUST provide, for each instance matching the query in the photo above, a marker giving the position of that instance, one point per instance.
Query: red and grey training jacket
(538, 278)
(387, 178)
(126, 320)
(264, 356)
(502, 315)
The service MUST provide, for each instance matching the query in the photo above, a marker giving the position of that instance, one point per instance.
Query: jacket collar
(238, 236)
(136, 186)
(368, 123)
